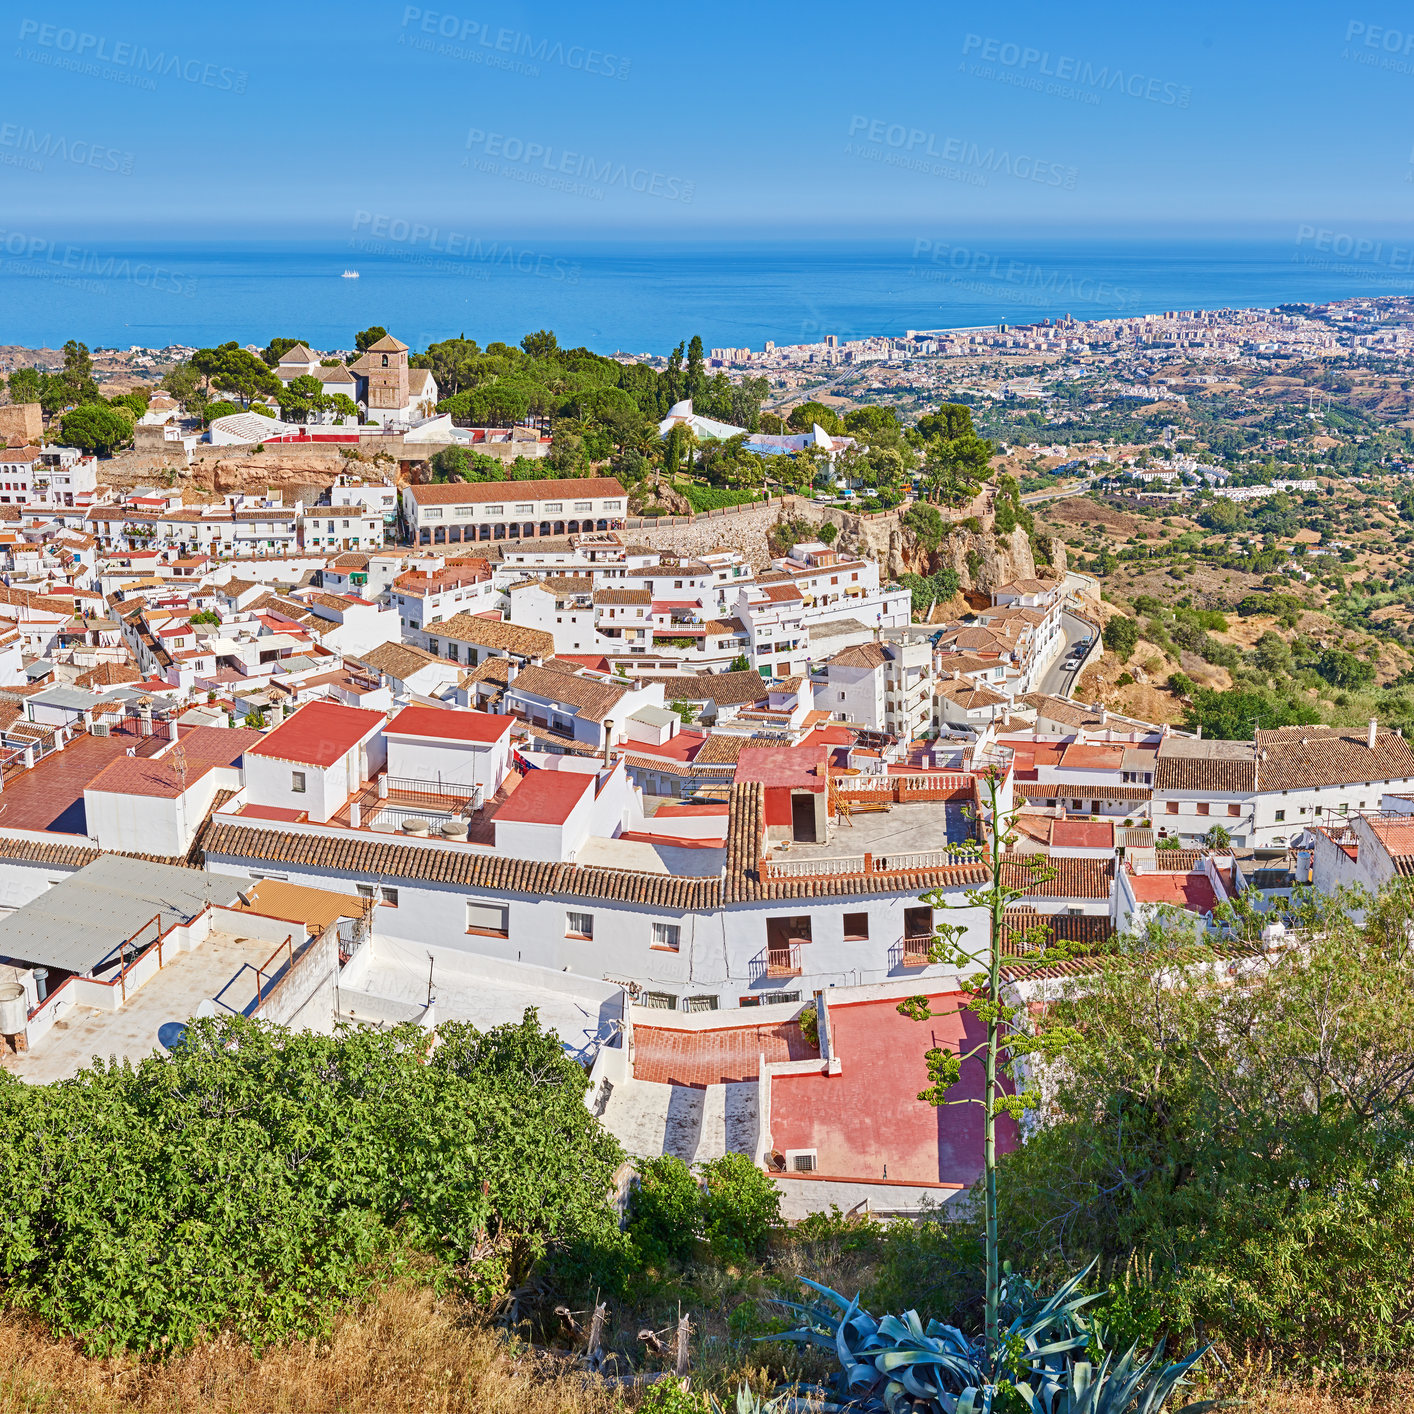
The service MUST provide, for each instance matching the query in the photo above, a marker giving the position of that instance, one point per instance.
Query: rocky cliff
(982, 558)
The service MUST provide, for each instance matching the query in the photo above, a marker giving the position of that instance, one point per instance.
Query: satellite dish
(172, 1035)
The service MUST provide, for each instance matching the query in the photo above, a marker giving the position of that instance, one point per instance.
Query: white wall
(457, 763)
(269, 782)
(717, 949)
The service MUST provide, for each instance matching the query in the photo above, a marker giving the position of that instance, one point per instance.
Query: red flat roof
(800, 767)
(1092, 756)
(1194, 891)
(319, 734)
(1082, 834)
(545, 798)
(274, 812)
(869, 1117)
(448, 724)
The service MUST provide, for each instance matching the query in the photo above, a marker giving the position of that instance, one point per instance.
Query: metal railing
(264, 978)
(453, 797)
(775, 960)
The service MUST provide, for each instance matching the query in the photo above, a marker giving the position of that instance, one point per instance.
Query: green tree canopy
(805, 415)
(1232, 1141)
(232, 369)
(948, 423)
(1121, 635)
(26, 385)
(97, 427)
(366, 338)
(258, 1178)
(541, 344)
(1234, 714)
(277, 349)
(301, 397)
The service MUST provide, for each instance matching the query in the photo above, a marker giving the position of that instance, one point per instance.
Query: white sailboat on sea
(349, 275)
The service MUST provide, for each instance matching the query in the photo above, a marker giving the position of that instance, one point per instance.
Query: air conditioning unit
(100, 729)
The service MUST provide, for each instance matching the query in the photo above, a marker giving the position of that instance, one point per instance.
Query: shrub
(716, 498)
(810, 1025)
(257, 1179)
(740, 1206)
(926, 523)
(1121, 635)
(665, 1210)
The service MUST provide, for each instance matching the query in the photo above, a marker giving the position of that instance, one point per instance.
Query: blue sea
(429, 283)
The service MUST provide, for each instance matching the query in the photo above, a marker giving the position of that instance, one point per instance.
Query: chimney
(1104, 716)
(512, 668)
(1374, 728)
(1200, 731)
(608, 740)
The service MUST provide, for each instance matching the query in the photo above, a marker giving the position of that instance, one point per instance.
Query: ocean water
(646, 296)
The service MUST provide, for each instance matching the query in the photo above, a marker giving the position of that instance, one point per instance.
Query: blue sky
(690, 120)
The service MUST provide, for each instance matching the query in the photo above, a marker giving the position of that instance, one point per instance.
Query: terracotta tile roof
(592, 698)
(495, 633)
(724, 748)
(716, 1055)
(398, 660)
(623, 596)
(1229, 767)
(1073, 791)
(1296, 758)
(725, 689)
(463, 867)
(497, 670)
(461, 493)
(1073, 878)
(1090, 931)
(561, 585)
(1177, 861)
(968, 695)
(861, 655)
(108, 675)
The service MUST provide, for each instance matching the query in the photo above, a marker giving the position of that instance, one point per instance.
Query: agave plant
(900, 1365)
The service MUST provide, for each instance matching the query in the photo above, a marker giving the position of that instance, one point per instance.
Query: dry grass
(406, 1351)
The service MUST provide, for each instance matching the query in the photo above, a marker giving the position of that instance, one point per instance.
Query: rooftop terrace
(221, 969)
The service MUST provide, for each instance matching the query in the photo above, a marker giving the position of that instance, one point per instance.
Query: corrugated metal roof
(82, 919)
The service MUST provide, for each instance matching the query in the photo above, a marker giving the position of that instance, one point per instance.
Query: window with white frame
(297, 782)
(579, 925)
(667, 935)
(388, 895)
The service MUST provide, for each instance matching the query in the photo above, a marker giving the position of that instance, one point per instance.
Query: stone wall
(21, 425)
